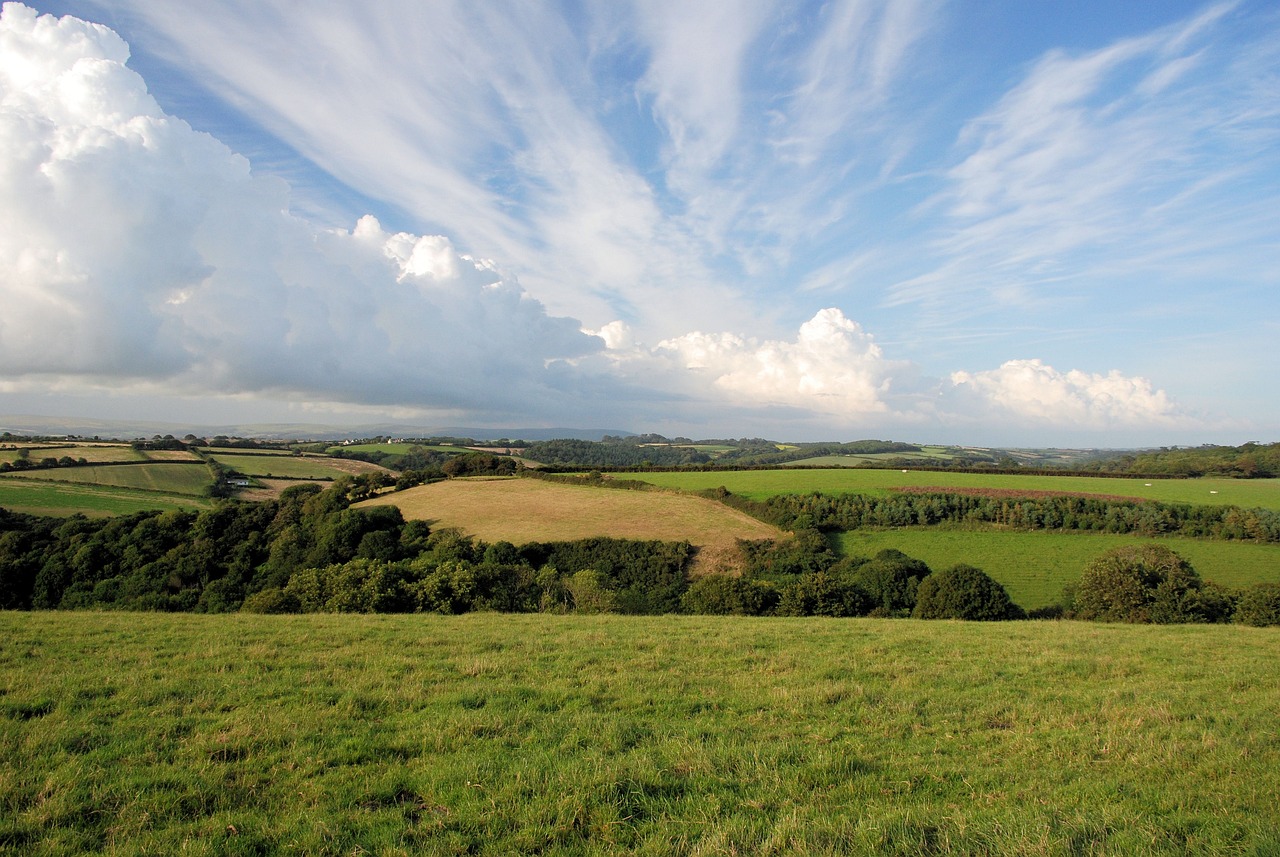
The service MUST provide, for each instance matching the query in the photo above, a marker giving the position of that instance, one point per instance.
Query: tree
(1139, 583)
(964, 592)
(891, 579)
(1259, 605)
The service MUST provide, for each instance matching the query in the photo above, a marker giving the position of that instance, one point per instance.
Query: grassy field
(191, 479)
(90, 452)
(497, 734)
(1035, 566)
(291, 466)
(761, 484)
(525, 510)
(50, 497)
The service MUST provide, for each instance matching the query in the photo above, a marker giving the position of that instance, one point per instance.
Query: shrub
(272, 600)
(890, 580)
(964, 592)
(1259, 605)
(1141, 583)
(722, 595)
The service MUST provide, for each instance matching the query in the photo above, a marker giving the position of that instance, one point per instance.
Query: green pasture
(496, 734)
(1035, 566)
(60, 499)
(389, 448)
(762, 484)
(88, 453)
(290, 466)
(191, 479)
(230, 450)
(925, 457)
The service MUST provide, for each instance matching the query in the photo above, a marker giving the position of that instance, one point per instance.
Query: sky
(997, 223)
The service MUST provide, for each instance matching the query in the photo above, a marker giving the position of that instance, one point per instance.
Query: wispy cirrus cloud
(1140, 158)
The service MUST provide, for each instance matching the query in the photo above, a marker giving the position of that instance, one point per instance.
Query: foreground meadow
(497, 734)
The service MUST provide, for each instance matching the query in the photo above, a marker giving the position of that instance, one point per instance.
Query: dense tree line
(311, 550)
(586, 453)
(1093, 514)
(1249, 461)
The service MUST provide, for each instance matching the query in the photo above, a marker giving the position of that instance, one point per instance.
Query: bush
(823, 594)
(722, 595)
(890, 580)
(964, 592)
(272, 600)
(1142, 583)
(1259, 605)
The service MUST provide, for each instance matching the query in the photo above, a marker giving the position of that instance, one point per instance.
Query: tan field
(528, 510)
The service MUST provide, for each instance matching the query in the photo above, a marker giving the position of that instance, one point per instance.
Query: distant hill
(128, 429)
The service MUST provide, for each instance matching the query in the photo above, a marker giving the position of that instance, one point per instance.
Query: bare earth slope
(528, 510)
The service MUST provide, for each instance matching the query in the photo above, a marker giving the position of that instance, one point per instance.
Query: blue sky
(1001, 223)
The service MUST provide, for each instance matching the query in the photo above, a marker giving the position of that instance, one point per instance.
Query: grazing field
(92, 453)
(191, 479)
(294, 467)
(1034, 566)
(498, 734)
(525, 510)
(927, 455)
(761, 484)
(397, 448)
(60, 499)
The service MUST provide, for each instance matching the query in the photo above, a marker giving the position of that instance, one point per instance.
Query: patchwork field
(1035, 566)
(178, 478)
(761, 484)
(293, 466)
(497, 734)
(60, 499)
(525, 510)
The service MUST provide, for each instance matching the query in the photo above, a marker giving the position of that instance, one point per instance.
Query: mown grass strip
(492, 734)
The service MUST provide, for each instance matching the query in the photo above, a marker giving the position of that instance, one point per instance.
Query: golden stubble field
(528, 510)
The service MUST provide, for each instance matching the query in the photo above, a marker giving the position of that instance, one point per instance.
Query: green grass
(296, 467)
(389, 448)
(60, 499)
(761, 484)
(190, 479)
(491, 734)
(1034, 566)
(89, 452)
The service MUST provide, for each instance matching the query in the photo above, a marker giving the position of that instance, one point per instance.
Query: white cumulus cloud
(831, 367)
(137, 251)
(1034, 391)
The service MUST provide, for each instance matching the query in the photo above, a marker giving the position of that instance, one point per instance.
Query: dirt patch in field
(1014, 493)
(527, 510)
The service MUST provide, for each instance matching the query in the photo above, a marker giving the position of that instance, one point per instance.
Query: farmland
(1034, 566)
(170, 478)
(492, 734)
(761, 484)
(56, 498)
(291, 466)
(524, 510)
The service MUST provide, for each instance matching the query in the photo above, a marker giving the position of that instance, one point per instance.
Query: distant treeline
(1147, 518)
(1250, 461)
